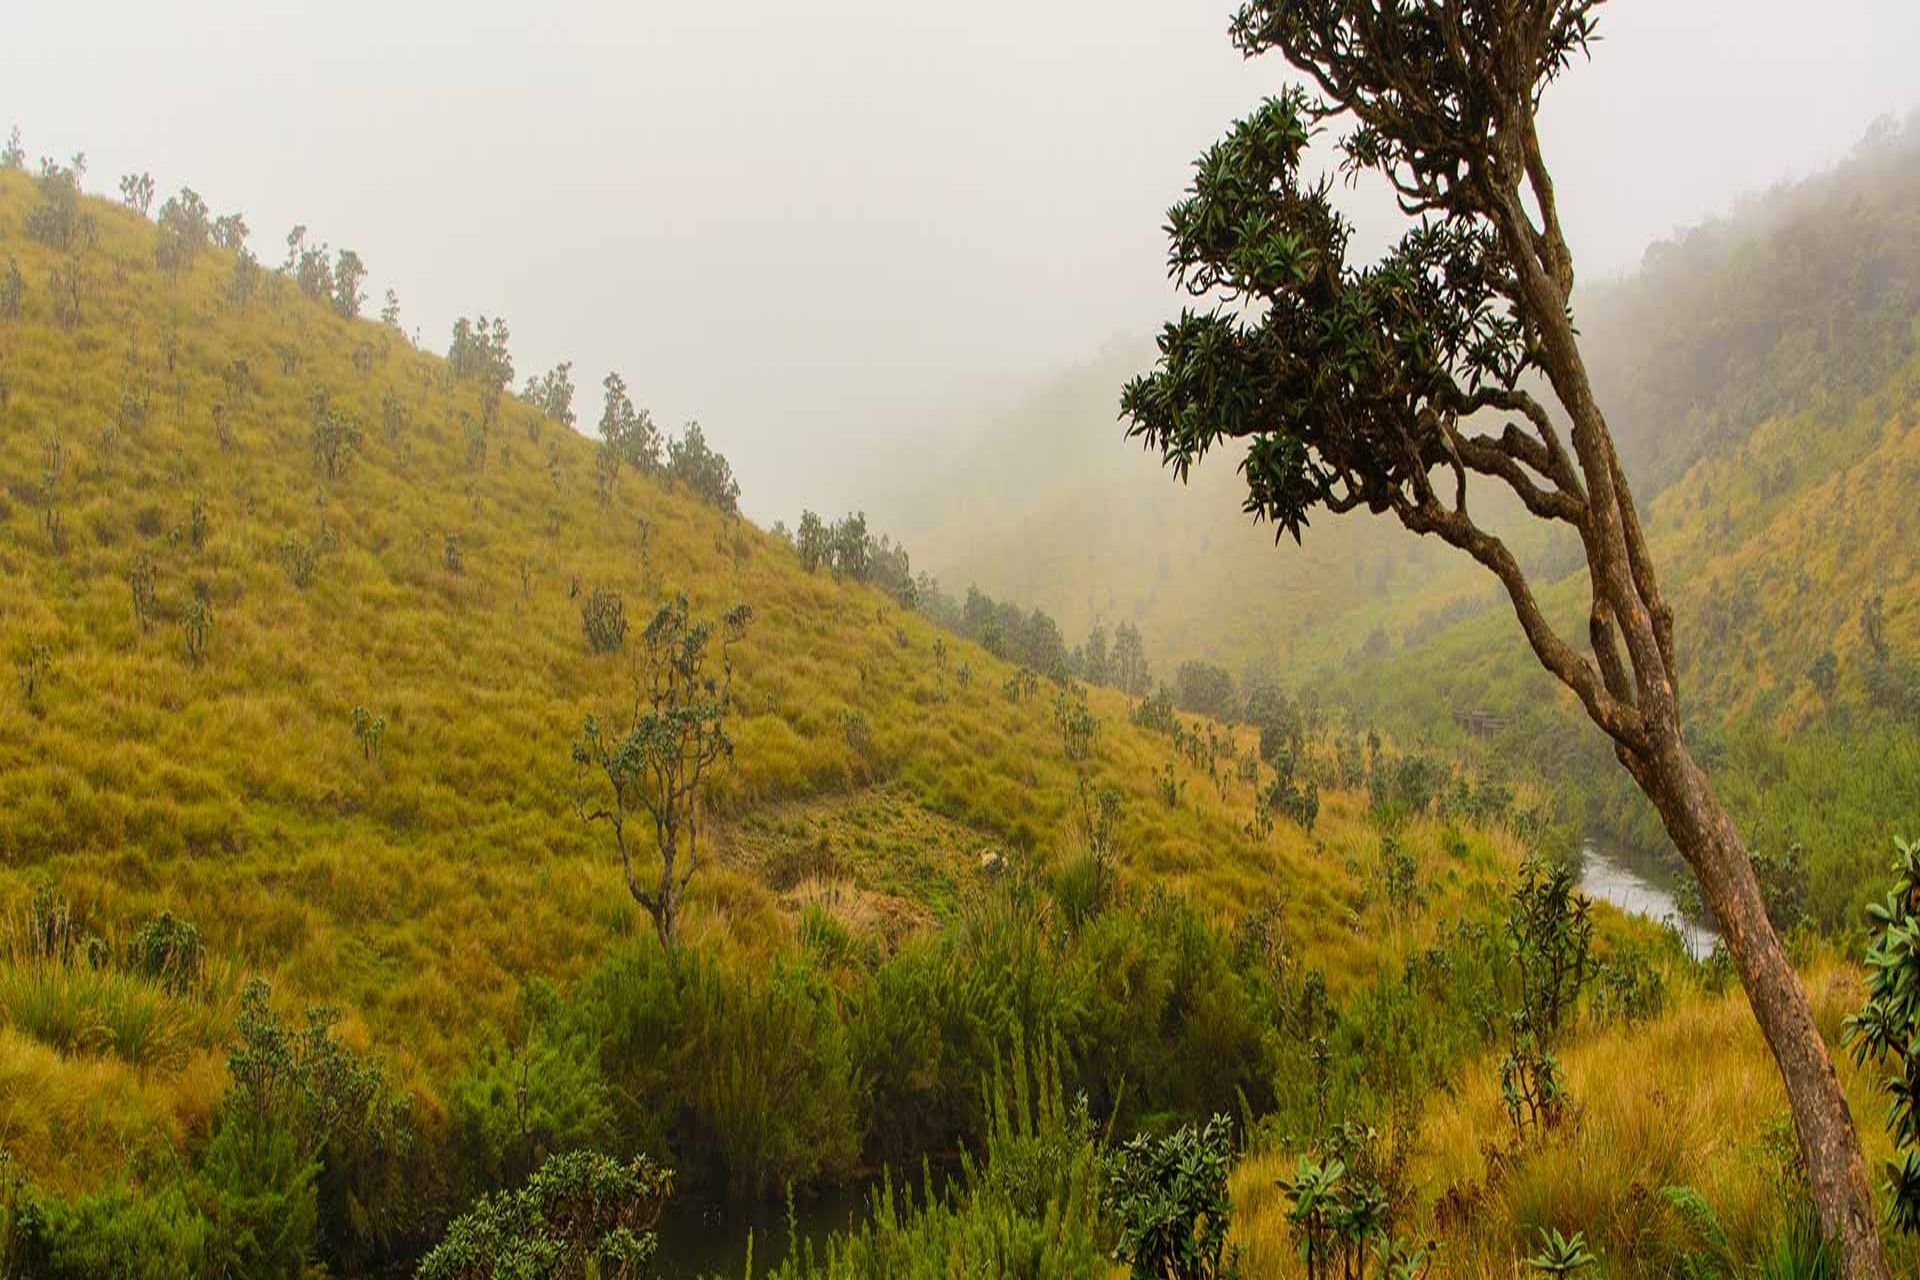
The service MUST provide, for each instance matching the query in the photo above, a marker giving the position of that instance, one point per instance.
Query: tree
(676, 734)
(627, 434)
(1204, 689)
(1370, 387)
(349, 273)
(336, 435)
(57, 219)
(551, 392)
(186, 227)
(690, 461)
(1093, 661)
(811, 541)
(136, 192)
(230, 232)
(1130, 670)
(14, 155)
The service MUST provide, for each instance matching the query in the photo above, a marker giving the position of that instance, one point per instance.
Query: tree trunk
(1705, 835)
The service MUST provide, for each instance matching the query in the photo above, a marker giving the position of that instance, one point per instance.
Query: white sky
(823, 229)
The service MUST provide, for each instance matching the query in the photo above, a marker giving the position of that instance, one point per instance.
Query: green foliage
(116, 1233)
(1205, 688)
(1155, 712)
(1337, 1215)
(369, 730)
(1172, 786)
(551, 393)
(335, 437)
(580, 1214)
(137, 191)
(517, 1103)
(1887, 1027)
(141, 581)
(704, 472)
(312, 1149)
(1077, 724)
(57, 219)
(627, 437)
(676, 733)
(32, 668)
(1031, 1207)
(1558, 1255)
(1799, 1250)
(167, 949)
(603, 617)
(196, 626)
(1549, 934)
(1404, 787)
(185, 229)
(299, 560)
(1169, 1198)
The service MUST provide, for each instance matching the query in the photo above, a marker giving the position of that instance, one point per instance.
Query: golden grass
(419, 891)
(1688, 1099)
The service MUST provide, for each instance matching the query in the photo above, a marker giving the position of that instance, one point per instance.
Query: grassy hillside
(169, 427)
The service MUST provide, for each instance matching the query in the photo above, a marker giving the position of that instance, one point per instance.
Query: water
(1640, 886)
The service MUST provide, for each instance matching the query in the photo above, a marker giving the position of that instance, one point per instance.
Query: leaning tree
(1411, 384)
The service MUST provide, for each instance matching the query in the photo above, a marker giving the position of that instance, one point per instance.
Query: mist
(837, 237)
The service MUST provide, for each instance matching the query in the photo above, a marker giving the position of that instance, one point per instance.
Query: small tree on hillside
(136, 192)
(1369, 387)
(552, 393)
(1129, 663)
(692, 462)
(660, 761)
(349, 274)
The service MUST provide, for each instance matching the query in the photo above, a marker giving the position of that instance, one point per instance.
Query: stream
(1640, 885)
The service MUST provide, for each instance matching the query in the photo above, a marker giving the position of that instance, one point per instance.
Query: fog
(831, 231)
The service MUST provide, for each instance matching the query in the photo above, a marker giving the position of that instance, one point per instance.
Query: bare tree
(1371, 386)
(660, 762)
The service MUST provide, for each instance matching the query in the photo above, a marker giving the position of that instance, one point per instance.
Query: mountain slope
(165, 447)
(1798, 305)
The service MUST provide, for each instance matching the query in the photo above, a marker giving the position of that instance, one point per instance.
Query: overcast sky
(821, 228)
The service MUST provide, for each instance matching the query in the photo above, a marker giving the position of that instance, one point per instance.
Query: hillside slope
(161, 445)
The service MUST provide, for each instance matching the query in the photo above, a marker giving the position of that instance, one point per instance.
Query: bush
(1169, 1196)
(604, 619)
(167, 949)
(581, 1214)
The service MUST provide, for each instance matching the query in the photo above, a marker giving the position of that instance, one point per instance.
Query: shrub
(32, 667)
(603, 617)
(167, 949)
(1076, 721)
(1887, 1028)
(299, 559)
(1155, 712)
(581, 1214)
(368, 730)
(1169, 1196)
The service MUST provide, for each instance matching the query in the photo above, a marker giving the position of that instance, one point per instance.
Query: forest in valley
(1407, 770)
